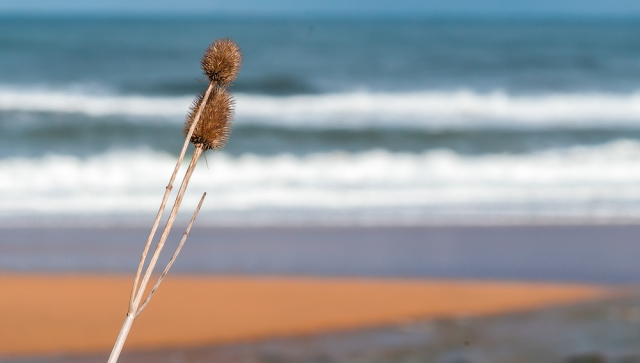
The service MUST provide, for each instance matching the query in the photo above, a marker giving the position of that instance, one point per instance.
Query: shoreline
(600, 330)
(81, 313)
(585, 254)
(207, 219)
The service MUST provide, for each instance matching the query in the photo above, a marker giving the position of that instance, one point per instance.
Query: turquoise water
(348, 120)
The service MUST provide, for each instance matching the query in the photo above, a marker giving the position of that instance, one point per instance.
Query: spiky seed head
(212, 131)
(221, 62)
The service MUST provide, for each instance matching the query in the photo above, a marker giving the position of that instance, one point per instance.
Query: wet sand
(82, 313)
(579, 253)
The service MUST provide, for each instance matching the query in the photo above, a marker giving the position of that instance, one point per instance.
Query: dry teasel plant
(221, 62)
(207, 126)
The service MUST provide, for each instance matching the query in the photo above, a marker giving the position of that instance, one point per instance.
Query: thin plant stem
(173, 258)
(124, 332)
(165, 198)
(167, 228)
(126, 326)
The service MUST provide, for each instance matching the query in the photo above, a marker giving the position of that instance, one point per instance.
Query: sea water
(337, 121)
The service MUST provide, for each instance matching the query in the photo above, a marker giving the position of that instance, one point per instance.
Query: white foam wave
(437, 110)
(581, 181)
(424, 110)
(76, 101)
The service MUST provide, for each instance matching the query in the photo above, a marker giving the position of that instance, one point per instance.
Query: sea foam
(582, 181)
(422, 110)
(75, 101)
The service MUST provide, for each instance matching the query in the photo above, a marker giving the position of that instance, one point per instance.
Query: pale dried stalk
(173, 258)
(143, 258)
(117, 348)
(126, 326)
(138, 290)
(167, 228)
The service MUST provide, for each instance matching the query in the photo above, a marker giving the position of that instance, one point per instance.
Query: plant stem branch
(167, 228)
(126, 326)
(173, 258)
(143, 258)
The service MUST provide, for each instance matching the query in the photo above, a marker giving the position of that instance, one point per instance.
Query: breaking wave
(422, 110)
(581, 181)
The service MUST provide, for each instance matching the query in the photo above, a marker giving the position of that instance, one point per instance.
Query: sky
(426, 8)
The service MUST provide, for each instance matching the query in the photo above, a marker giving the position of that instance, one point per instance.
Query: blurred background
(492, 140)
(347, 113)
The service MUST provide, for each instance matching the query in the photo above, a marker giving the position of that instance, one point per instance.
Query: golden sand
(45, 314)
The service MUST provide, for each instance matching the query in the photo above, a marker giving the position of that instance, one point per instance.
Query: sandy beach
(81, 313)
(65, 290)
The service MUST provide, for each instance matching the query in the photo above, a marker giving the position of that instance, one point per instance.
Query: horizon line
(320, 16)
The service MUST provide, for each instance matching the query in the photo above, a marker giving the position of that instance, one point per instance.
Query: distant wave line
(421, 110)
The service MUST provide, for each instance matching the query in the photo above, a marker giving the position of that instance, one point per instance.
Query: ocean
(339, 122)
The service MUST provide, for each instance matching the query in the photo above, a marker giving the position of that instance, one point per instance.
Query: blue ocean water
(340, 121)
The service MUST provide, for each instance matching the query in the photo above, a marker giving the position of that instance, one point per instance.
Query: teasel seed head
(221, 62)
(212, 131)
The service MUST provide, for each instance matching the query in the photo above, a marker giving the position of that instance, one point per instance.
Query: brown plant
(207, 127)
(221, 62)
(212, 132)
